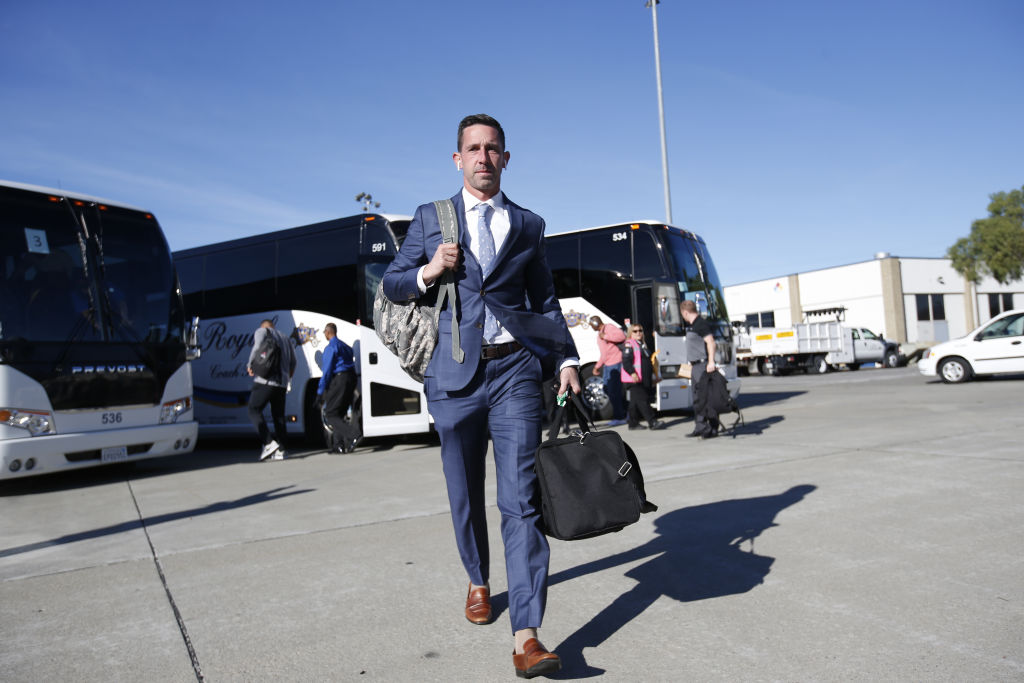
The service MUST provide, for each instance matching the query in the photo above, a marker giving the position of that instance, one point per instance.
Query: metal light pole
(653, 4)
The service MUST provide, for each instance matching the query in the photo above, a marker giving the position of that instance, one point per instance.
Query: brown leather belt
(492, 351)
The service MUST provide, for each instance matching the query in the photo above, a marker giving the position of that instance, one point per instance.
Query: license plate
(114, 454)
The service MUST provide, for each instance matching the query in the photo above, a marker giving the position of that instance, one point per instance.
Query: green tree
(996, 244)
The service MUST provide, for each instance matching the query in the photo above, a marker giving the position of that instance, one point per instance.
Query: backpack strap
(449, 234)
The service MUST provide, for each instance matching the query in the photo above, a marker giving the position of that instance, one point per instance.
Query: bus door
(656, 307)
(391, 402)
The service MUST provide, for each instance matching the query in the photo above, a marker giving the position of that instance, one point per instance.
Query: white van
(995, 347)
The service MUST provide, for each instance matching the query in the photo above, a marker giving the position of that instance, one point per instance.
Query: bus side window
(563, 255)
(605, 267)
(240, 280)
(646, 257)
(318, 273)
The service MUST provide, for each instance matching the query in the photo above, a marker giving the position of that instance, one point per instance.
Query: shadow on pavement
(219, 451)
(134, 524)
(697, 555)
(760, 398)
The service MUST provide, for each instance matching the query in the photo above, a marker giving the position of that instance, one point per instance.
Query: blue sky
(801, 134)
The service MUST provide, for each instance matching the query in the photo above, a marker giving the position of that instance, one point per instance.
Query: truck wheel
(955, 370)
(594, 396)
(820, 365)
(853, 366)
(892, 359)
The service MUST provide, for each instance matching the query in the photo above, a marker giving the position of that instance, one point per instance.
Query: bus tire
(594, 396)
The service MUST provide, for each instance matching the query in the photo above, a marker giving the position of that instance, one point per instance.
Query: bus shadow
(698, 554)
(760, 398)
(254, 499)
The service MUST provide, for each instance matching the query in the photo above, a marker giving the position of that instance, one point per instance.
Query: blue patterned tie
(485, 254)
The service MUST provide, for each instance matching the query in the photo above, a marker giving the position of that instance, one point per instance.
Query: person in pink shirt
(609, 366)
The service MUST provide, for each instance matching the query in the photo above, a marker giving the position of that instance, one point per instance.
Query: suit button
(479, 326)
(482, 292)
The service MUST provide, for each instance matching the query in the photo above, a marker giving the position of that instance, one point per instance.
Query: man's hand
(597, 371)
(445, 258)
(250, 372)
(569, 377)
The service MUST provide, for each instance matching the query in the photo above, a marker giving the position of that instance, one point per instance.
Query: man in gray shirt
(270, 385)
(700, 352)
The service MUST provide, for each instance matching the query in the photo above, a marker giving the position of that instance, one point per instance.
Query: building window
(998, 303)
(930, 307)
(763, 319)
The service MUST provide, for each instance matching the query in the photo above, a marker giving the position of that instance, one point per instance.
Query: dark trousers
(261, 395)
(612, 376)
(701, 424)
(503, 398)
(337, 401)
(639, 405)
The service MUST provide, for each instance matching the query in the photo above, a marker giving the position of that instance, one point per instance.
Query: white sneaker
(269, 450)
(279, 455)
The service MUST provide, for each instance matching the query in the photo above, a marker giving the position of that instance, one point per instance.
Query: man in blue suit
(513, 334)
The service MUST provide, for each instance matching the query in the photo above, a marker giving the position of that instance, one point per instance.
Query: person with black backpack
(271, 365)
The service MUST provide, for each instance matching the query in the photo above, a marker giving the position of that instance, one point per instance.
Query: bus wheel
(594, 396)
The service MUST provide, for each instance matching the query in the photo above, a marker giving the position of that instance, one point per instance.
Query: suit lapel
(515, 227)
(469, 260)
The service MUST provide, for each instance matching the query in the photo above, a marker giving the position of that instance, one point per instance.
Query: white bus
(93, 348)
(302, 278)
(639, 272)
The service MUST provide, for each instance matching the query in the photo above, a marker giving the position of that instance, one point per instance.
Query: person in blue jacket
(335, 392)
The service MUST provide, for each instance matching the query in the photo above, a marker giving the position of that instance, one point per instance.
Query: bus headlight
(37, 422)
(171, 410)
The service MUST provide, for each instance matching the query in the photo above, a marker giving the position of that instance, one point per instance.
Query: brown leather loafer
(478, 605)
(535, 660)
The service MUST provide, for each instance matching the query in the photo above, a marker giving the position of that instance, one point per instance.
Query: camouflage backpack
(409, 329)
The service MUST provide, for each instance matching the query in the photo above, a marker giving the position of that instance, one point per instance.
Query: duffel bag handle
(577, 407)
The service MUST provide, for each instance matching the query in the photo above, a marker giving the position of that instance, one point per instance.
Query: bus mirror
(192, 351)
(701, 300)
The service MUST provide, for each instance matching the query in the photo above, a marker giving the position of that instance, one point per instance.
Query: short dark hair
(479, 119)
(332, 327)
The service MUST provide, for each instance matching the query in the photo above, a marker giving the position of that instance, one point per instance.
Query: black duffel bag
(590, 481)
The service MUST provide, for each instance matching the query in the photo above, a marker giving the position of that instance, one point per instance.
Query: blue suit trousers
(503, 398)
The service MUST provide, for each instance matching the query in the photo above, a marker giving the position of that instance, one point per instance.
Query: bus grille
(81, 456)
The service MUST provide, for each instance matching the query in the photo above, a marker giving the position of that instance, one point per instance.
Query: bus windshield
(137, 280)
(696, 276)
(69, 284)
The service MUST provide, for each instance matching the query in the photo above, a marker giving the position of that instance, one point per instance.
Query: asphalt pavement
(860, 526)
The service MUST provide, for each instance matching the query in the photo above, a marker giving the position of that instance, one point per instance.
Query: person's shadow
(698, 554)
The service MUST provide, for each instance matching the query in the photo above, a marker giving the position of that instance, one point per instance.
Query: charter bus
(638, 273)
(93, 338)
(301, 278)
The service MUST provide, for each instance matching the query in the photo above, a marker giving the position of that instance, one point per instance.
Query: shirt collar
(497, 202)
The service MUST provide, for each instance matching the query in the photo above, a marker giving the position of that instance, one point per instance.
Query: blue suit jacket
(519, 291)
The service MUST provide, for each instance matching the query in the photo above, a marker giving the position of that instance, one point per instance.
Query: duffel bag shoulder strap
(449, 235)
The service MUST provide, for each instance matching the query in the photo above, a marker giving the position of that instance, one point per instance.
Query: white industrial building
(914, 301)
